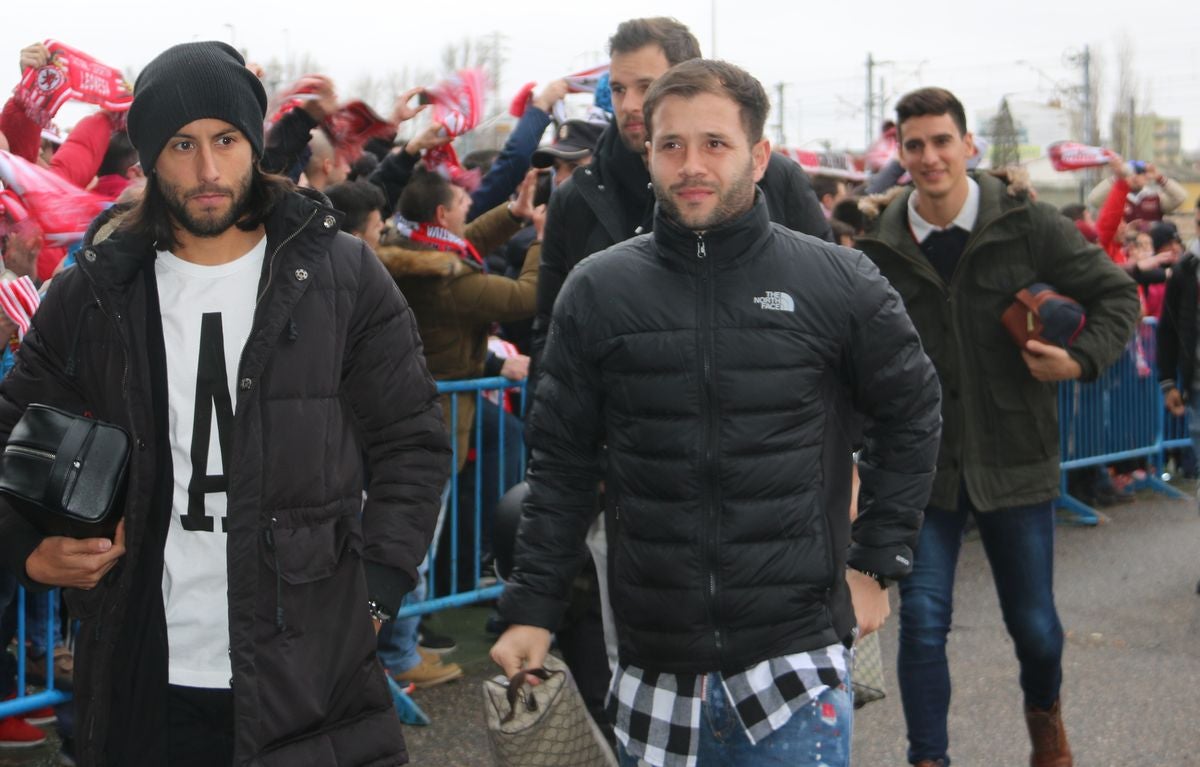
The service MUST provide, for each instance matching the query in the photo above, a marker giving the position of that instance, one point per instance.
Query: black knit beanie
(193, 81)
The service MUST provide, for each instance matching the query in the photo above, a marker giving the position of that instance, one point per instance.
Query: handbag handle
(514, 689)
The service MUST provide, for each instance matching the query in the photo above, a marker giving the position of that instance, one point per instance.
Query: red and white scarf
(439, 238)
(19, 299)
(70, 74)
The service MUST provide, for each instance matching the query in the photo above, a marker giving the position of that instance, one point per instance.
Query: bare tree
(1005, 142)
(1096, 86)
(1133, 98)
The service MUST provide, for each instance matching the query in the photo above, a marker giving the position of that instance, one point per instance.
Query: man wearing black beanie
(254, 353)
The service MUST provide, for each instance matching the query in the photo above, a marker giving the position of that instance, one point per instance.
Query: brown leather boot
(1049, 737)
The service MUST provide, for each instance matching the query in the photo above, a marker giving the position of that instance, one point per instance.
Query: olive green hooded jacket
(1000, 425)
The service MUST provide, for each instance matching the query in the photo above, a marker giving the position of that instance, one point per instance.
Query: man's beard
(732, 202)
(206, 225)
(635, 144)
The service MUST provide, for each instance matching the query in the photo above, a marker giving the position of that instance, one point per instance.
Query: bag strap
(1030, 301)
(67, 454)
(514, 689)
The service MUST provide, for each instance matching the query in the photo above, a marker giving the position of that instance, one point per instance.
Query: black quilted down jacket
(728, 374)
(332, 370)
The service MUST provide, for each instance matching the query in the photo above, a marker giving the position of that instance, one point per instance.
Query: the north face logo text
(776, 301)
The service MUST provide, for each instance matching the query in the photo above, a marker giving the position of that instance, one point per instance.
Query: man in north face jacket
(722, 364)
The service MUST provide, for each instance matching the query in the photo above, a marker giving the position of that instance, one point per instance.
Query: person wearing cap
(1150, 196)
(958, 248)
(572, 148)
(263, 363)
(1167, 247)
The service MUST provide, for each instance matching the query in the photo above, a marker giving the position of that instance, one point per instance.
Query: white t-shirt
(207, 313)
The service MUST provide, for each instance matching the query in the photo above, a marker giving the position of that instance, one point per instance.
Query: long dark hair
(151, 218)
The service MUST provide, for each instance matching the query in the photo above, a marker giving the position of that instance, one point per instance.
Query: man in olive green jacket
(957, 248)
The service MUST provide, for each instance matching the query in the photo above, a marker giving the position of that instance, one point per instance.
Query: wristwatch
(378, 612)
(883, 582)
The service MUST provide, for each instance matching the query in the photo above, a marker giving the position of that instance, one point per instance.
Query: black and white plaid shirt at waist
(657, 716)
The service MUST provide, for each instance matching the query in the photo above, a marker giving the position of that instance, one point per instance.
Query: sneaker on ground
(41, 716)
(15, 732)
(431, 641)
(430, 672)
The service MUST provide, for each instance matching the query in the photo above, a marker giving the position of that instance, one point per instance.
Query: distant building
(1156, 139)
(1019, 133)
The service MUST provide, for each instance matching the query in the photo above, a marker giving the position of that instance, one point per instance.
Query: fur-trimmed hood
(404, 258)
(1015, 177)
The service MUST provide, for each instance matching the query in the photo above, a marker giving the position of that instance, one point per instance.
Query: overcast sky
(817, 50)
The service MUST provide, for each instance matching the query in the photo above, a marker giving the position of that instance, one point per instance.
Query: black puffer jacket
(608, 202)
(333, 368)
(724, 372)
(1177, 328)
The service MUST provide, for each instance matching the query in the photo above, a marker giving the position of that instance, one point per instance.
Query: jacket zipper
(262, 293)
(269, 533)
(29, 451)
(708, 480)
(271, 261)
(116, 320)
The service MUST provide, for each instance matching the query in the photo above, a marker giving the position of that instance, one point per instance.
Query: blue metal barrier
(1119, 416)
(23, 703)
(482, 591)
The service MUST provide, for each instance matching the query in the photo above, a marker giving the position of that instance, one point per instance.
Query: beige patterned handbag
(867, 676)
(543, 726)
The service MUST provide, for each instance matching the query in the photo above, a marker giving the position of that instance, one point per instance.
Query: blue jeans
(811, 738)
(1019, 543)
(396, 645)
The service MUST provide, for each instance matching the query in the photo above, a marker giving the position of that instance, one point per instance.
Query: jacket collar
(725, 246)
(115, 262)
(618, 164)
(996, 197)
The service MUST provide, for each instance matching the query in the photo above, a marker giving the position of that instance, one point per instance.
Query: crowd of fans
(473, 249)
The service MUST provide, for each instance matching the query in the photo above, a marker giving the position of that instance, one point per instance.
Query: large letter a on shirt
(212, 393)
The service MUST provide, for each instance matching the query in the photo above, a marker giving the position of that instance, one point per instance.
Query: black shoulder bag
(66, 473)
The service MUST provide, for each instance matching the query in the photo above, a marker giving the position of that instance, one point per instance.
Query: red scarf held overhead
(445, 240)
(70, 74)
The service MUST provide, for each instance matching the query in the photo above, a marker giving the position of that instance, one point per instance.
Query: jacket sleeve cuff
(892, 563)
(22, 539)
(1167, 384)
(1087, 369)
(519, 606)
(387, 586)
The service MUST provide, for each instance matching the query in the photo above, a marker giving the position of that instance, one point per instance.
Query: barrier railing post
(454, 596)
(22, 658)
(1118, 417)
